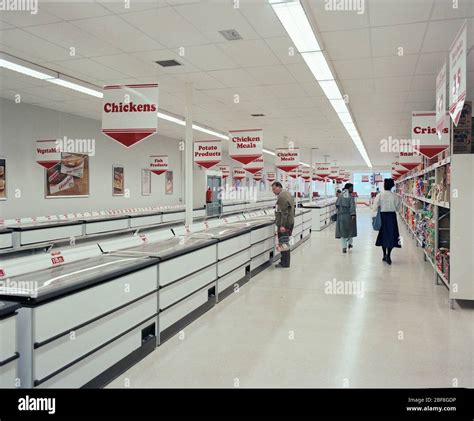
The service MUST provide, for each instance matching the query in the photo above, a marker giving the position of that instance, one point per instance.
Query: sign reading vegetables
(245, 146)
(207, 153)
(48, 153)
(158, 164)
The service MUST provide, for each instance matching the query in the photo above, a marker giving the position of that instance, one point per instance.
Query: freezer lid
(222, 232)
(28, 226)
(164, 250)
(36, 287)
(7, 309)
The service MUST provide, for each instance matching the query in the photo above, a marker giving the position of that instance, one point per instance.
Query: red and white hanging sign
(399, 168)
(334, 174)
(457, 74)
(365, 178)
(441, 101)
(341, 175)
(271, 176)
(207, 153)
(225, 170)
(258, 176)
(48, 153)
(239, 173)
(322, 170)
(409, 159)
(245, 145)
(287, 159)
(306, 173)
(423, 133)
(158, 164)
(347, 176)
(314, 176)
(378, 178)
(295, 173)
(129, 112)
(254, 166)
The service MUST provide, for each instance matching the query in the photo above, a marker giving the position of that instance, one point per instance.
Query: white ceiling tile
(353, 69)
(4, 25)
(120, 6)
(387, 12)
(328, 19)
(92, 69)
(209, 57)
(422, 96)
(128, 65)
(167, 27)
(224, 16)
(284, 50)
(68, 36)
(301, 72)
(395, 66)
(70, 10)
(341, 45)
(234, 78)
(25, 18)
(419, 106)
(262, 18)
(387, 41)
(200, 80)
(312, 89)
(440, 35)
(358, 86)
(249, 53)
(424, 82)
(431, 63)
(293, 90)
(392, 84)
(445, 9)
(271, 75)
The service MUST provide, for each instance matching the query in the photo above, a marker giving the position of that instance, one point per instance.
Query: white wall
(22, 124)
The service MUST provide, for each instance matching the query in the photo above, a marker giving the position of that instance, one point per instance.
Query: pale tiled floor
(283, 330)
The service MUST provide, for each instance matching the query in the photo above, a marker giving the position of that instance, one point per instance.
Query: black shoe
(279, 265)
(389, 261)
(350, 246)
(384, 259)
(344, 250)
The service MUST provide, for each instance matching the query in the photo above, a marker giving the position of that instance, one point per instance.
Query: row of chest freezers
(88, 312)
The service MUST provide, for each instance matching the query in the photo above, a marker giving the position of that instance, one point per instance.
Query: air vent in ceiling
(168, 63)
(230, 34)
(257, 115)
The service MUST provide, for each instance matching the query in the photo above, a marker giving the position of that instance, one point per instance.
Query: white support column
(188, 153)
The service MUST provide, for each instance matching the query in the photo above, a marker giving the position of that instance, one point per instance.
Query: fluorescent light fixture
(345, 117)
(10, 65)
(304, 164)
(339, 105)
(330, 89)
(171, 118)
(318, 65)
(294, 20)
(211, 132)
(76, 87)
(268, 152)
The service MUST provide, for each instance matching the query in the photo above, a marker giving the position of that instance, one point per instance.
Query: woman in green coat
(346, 224)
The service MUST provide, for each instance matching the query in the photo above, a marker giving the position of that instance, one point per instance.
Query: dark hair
(348, 186)
(388, 184)
(277, 184)
(339, 191)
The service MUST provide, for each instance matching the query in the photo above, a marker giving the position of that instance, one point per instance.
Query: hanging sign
(207, 153)
(398, 168)
(378, 178)
(258, 176)
(245, 145)
(239, 173)
(341, 175)
(295, 173)
(225, 170)
(424, 136)
(314, 176)
(441, 101)
(48, 153)
(287, 159)
(334, 174)
(306, 173)
(158, 164)
(129, 112)
(254, 166)
(365, 178)
(322, 170)
(271, 177)
(457, 75)
(408, 157)
(347, 176)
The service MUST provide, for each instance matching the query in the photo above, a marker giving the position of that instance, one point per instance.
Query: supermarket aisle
(284, 329)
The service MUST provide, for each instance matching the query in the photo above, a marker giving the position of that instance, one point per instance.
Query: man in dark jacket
(284, 220)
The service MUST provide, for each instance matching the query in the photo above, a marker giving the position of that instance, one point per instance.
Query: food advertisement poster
(169, 182)
(462, 134)
(69, 177)
(146, 182)
(118, 180)
(3, 179)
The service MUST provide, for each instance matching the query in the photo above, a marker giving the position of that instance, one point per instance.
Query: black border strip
(37, 345)
(42, 226)
(9, 310)
(262, 267)
(14, 357)
(261, 241)
(229, 290)
(187, 296)
(190, 249)
(88, 354)
(186, 276)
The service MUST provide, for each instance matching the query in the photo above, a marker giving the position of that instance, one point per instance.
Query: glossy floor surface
(331, 320)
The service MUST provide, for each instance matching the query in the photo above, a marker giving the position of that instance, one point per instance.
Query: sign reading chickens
(129, 112)
(287, 159)
(457, 75)
(322, 170)
(425, 139)
(225, 170)
(207, 153)
(246, 145)
(254, 166)
(441, 101)
(158, 164)
(48, 153)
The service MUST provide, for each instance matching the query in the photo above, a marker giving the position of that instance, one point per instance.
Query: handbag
(377, 220)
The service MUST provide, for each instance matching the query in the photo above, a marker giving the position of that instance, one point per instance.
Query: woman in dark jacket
(346, 224)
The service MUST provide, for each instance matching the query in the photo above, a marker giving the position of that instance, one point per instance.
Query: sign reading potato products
(254, 166)
(158, 164)
(246, 145)
(457, 74)
(48, 153)
(225, 170)
(239, 173)
(129, 112)
(207, 153)
(287, 159)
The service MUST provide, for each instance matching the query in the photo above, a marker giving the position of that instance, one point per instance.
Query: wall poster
(169, 182)
(3, 179)
(146, 182)
(69, 177)
(118, 180)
